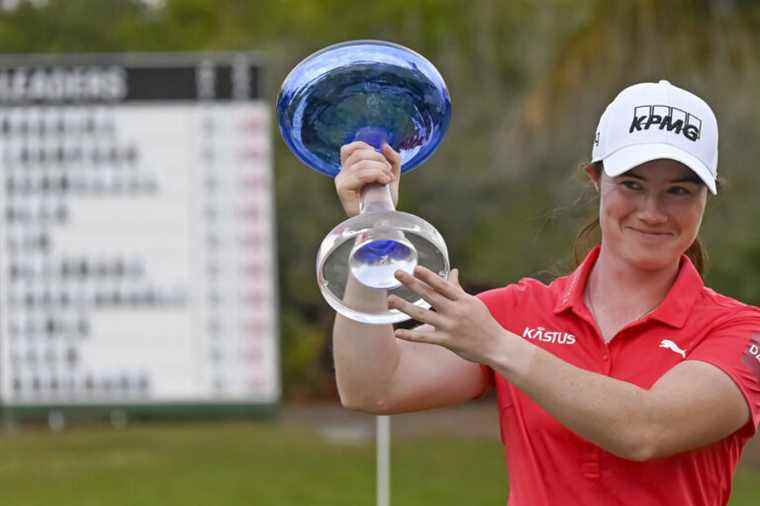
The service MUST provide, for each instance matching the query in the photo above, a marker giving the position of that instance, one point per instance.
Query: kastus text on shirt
(548, 336)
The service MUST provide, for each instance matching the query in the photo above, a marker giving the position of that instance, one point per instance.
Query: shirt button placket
(606, 362)
(591, 465)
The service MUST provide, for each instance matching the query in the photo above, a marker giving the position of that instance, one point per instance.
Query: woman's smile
(651, 235)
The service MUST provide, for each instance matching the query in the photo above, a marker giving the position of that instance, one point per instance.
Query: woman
(626, 382)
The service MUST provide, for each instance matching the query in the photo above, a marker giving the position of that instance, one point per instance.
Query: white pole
(383, 460)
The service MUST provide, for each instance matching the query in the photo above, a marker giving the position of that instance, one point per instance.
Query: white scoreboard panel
(137, 263)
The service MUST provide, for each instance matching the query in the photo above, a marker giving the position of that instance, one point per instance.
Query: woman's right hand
(361, 164)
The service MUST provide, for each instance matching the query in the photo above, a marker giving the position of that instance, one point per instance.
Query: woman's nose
(652, 210)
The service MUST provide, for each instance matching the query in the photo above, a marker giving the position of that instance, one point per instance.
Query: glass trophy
(376, 92)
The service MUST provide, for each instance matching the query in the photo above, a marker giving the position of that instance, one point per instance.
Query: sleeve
(735, 349)
(498, 301)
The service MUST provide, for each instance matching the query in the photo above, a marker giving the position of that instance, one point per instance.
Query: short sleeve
(501, 302)
(498, 301)
(735, 349)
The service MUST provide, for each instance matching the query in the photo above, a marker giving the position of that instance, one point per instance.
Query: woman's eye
(679, 190)
(631, 185)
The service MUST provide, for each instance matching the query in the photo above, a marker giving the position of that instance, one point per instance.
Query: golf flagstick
(383, 460)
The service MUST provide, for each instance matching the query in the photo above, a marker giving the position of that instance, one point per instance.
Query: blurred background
(528, 82)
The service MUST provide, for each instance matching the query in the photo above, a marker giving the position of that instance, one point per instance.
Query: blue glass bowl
(366, 90)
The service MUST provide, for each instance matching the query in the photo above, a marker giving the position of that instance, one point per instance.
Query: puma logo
(670, 345)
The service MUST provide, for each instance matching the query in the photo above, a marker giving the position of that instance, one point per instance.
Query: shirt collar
(572, 295)
(673, 310)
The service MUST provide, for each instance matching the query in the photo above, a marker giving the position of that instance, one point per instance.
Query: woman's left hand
(462, 322)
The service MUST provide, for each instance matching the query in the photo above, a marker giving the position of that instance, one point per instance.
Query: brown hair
(589, 235)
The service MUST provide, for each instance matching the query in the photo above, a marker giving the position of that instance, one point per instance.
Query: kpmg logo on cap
(664, 117)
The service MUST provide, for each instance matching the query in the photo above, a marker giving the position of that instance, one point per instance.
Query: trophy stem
(380, 251)
(376, 198)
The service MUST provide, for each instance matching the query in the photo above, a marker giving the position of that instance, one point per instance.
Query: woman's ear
(594, 174)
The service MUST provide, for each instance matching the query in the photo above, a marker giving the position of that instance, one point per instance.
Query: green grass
(746, 490)
(249, 464)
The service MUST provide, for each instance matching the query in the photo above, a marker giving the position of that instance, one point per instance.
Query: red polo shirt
(550, 465)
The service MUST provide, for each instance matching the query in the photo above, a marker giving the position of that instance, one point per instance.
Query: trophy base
(357, 259)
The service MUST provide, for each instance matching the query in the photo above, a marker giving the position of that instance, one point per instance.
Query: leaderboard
(136, 231)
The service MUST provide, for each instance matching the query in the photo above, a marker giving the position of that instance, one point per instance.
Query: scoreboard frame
(164, 76)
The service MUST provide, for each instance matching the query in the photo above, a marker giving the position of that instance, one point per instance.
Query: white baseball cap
(648, 121)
